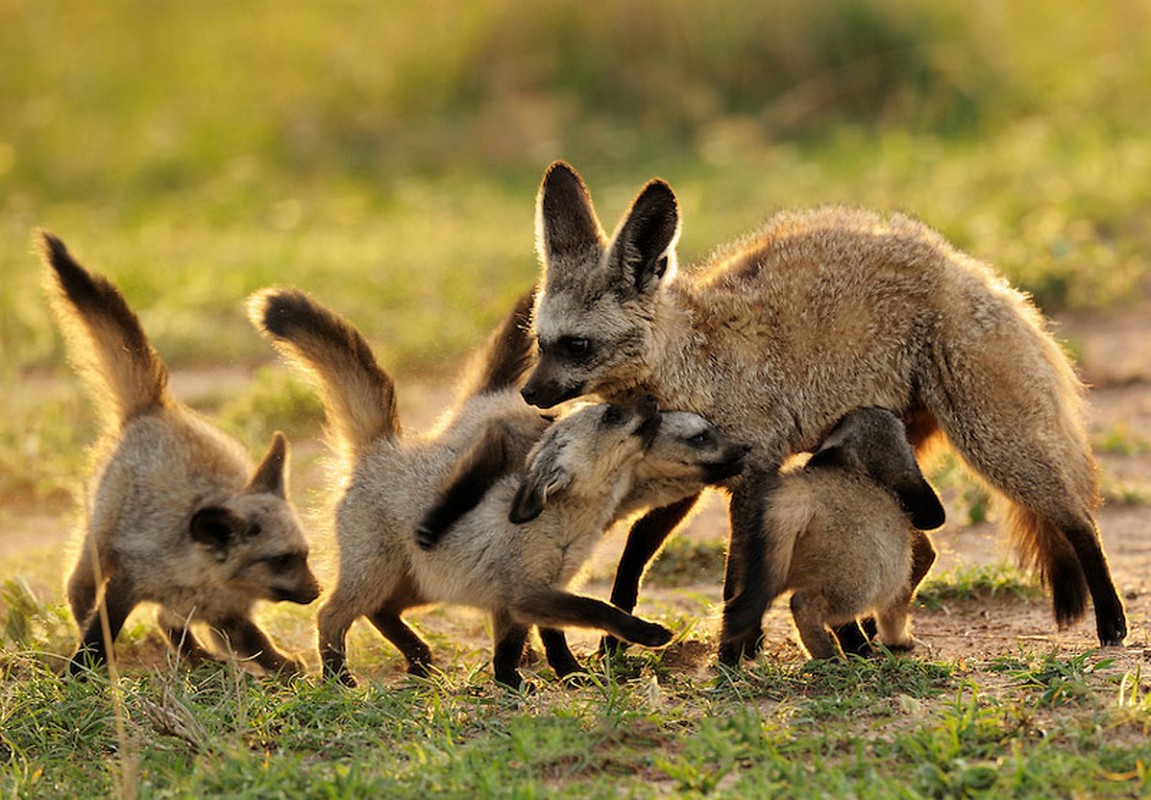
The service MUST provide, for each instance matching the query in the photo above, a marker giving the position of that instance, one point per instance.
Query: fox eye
(283, 563)
(701, 439)
(613, 415)
(574, 346)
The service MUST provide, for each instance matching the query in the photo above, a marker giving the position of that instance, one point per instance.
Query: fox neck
(596, 510)
(671, 371)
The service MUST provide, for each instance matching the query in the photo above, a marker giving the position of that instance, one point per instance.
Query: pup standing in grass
(531, 519)
(179, 516)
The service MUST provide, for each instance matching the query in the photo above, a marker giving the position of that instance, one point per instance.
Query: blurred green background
(385, 155)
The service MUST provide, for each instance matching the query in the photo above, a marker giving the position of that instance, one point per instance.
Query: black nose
(529, 395)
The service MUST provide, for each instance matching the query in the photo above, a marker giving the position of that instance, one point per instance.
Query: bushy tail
(106, 342)
(359, 396)
(506, 357)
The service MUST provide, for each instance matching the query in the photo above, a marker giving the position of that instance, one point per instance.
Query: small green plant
(685, 561)
(30, 623)
(999, 581)
(1055, 678)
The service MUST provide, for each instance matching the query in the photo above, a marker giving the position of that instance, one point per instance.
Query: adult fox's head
(594, 317)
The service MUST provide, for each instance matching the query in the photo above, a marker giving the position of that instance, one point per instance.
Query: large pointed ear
(545, 478)
(643, 250)
(920, 503)
(216, 527)
(271, 476)
(566, 221)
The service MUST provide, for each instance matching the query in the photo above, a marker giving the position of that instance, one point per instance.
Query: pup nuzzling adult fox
(532, 511)
(178, 515)
(818, 313)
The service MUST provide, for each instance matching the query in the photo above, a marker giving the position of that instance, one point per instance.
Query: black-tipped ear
(566, 221)
(271, 476)
(216, 527)
(921, 504)
(643, 246)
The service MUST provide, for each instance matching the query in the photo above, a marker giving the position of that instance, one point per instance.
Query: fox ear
(643, 249)
(271, 476)
(216, 527)
(920, 504)
(566, 221)
(545, 478)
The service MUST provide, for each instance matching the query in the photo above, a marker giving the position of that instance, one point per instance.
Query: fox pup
(529, 537)
(842, 527)
(388, 479)
(179, 516)
(818, 313)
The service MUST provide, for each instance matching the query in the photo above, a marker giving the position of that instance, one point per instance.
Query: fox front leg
(118, 601)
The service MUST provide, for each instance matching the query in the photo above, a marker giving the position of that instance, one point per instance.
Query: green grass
(384, 156)
(882, 728)
(976, 584)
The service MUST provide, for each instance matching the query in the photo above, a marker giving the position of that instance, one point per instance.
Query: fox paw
(652, 634)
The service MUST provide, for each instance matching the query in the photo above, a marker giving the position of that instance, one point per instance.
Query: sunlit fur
(842, 531)
(817, 313)
(178, 514)
(388, 479)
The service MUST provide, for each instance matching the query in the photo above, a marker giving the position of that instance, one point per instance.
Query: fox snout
(307, 591)
(730, 465)
(543, 392)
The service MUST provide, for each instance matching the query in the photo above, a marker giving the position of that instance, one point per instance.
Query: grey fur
(483, 560)
(591, 467)
(179, 516)
(388, 479)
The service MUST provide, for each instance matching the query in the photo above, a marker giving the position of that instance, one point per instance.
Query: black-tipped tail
(107, 343)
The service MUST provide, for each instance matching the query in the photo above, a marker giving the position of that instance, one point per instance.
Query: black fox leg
(742, 628)
(248, 641)
(560, 657)
(119, 600)
(510, 637)
(414, 649)
(644, 540)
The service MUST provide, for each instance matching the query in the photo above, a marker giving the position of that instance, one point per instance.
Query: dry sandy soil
(1115, 358)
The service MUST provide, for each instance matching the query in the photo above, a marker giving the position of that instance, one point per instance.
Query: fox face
(584, 451)
(594, 318)
(689, 448)
(254, 543)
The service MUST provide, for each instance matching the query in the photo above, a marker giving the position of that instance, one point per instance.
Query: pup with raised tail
(842, 527)
(390, 480)
(818, 313)
(179, 515)
(449, 485)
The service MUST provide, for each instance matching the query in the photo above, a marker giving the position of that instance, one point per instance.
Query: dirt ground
(1114, 352)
